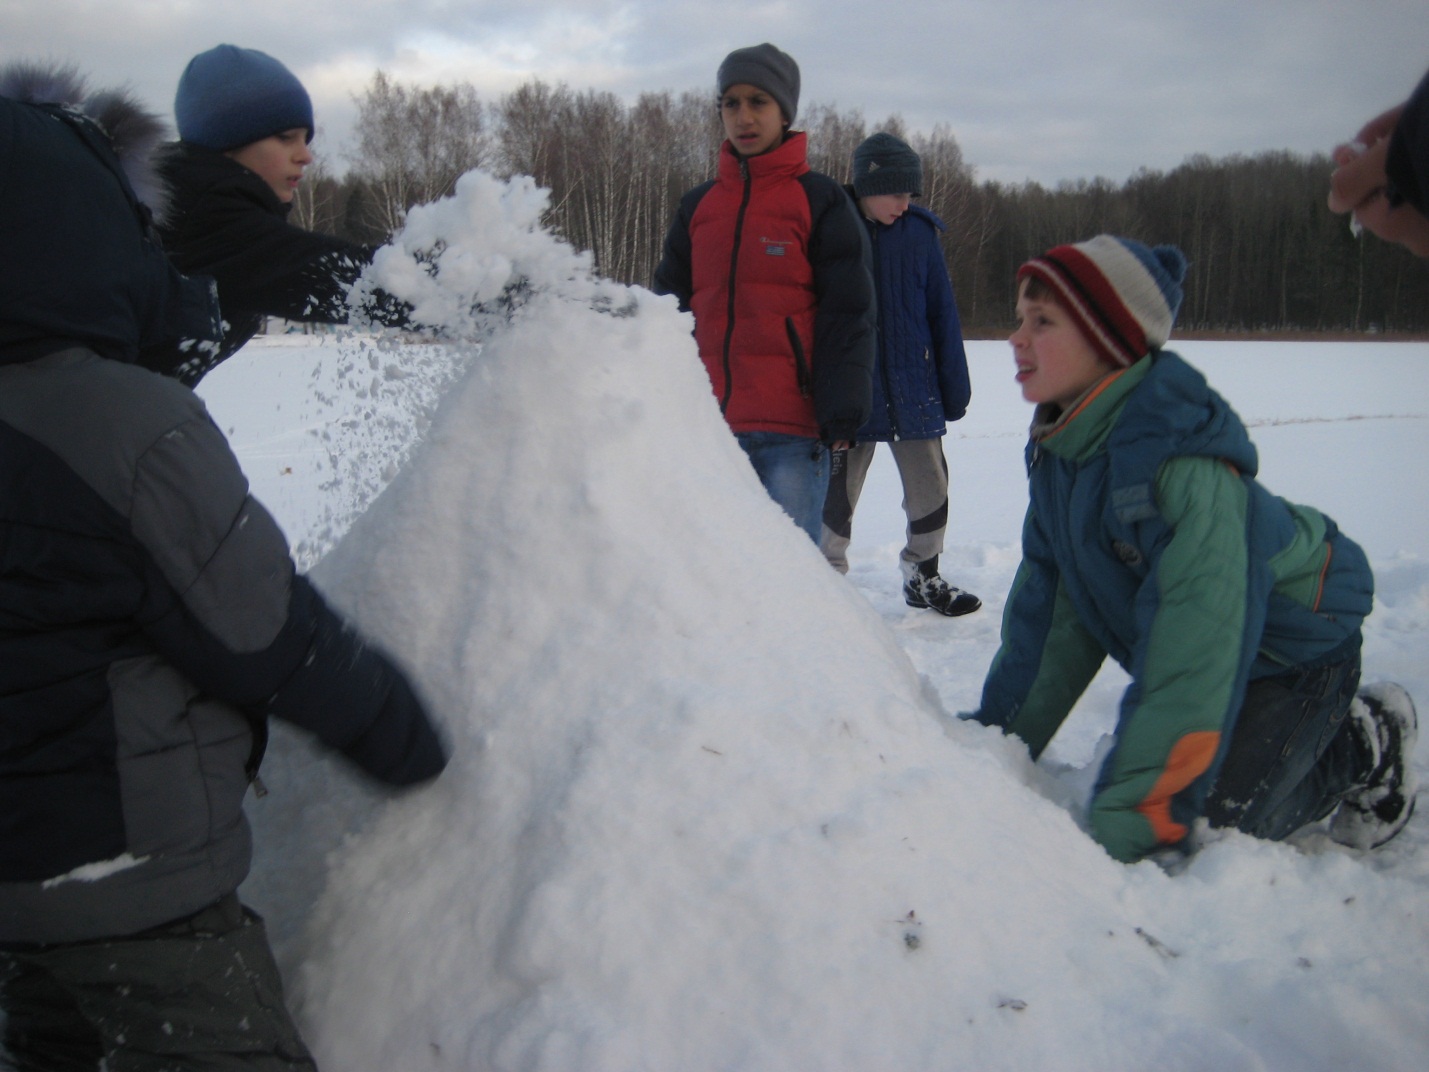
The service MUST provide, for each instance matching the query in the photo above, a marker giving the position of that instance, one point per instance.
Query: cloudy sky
(1032, 89)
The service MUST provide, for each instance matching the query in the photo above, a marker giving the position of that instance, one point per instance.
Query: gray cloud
(1033, 90)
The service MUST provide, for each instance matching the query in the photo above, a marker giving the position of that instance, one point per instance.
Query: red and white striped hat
(1124, 295)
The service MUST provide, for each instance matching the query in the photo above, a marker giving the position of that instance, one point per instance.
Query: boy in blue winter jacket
(920, 376)
(1147, 538)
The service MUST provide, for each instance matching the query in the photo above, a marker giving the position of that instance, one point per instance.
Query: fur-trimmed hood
(80, 263)
(135, 133)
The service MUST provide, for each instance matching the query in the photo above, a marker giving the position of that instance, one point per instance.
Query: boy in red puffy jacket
(772, 261)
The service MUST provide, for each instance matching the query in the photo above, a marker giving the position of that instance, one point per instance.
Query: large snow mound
(703, 813)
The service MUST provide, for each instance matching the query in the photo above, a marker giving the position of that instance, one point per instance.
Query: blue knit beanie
(230, 96)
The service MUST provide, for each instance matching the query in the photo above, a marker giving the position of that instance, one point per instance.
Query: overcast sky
(1032, 89)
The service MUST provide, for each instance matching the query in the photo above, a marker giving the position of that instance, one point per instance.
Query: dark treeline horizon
(1265, 253)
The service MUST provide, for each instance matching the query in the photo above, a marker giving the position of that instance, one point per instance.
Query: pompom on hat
(1124, 295)
(767, 68)
(230, 96)
(883, 164)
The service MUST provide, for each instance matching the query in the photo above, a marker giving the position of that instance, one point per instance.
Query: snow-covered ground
(708, 808)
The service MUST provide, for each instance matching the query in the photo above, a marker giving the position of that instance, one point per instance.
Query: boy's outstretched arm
(1382, 177)
(1199, 619)
(1046, 659)
(223, 604)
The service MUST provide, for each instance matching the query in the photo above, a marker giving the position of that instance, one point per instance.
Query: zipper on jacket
(801, 363)
(733, 265)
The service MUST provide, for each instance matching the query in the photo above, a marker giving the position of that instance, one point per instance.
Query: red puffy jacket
(773, 262)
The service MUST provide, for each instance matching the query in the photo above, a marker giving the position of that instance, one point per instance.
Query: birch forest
(1265, 253)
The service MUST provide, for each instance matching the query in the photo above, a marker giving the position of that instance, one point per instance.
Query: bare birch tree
(1264, 251)
(414, 143)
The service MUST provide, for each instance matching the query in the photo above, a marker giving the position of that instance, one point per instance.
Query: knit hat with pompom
(1123, 294)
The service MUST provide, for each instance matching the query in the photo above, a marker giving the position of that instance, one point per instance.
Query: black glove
(352, 697)
(401, 747)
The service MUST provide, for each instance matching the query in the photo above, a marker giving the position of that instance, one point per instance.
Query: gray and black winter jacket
(150, 617)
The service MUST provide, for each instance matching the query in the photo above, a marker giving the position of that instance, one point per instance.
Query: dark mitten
(351, 696)
(400, 747)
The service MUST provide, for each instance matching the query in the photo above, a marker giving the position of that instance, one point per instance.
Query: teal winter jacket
(1148, 538)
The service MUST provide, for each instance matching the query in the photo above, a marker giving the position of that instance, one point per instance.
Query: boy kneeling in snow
(150, 623)
(1147, 538)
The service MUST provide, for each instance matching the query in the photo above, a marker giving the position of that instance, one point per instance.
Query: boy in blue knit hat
(230, 98)
(1147, 538)
(245, 123)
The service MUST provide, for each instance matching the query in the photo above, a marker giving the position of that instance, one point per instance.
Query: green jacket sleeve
(1192, 617)
(1046, 659)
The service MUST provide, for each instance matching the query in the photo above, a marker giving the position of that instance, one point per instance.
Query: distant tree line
(1265, 254)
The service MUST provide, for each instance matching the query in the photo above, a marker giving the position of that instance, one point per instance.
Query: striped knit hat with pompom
(1124, 295)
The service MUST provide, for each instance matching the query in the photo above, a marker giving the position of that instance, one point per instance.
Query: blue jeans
(1292, 755)
(795, 472)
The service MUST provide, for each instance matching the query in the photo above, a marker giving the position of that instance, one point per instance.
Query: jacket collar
(1081, 429)
(193, 169)
(915, 212)
(128, 129)
(788, 160)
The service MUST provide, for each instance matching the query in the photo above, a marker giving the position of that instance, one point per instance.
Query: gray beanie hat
(883, 164)
(767, 68)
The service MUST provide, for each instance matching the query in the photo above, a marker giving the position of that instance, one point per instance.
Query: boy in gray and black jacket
(150, 623)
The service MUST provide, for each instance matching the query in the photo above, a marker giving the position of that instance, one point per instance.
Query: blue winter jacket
(920, 380)
(1148, 539)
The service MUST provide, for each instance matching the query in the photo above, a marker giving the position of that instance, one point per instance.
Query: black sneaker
(924, 588)
(1386, 726)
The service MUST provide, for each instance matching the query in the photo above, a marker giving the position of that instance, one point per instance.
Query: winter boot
(1385, 725)
(922, 587)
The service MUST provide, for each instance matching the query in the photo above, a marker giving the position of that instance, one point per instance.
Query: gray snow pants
(924, 471)
(201, 993)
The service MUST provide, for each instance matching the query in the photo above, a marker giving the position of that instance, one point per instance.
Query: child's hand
(1380, 127)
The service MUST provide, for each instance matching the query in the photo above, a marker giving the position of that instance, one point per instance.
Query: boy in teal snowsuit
(1147, 538)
